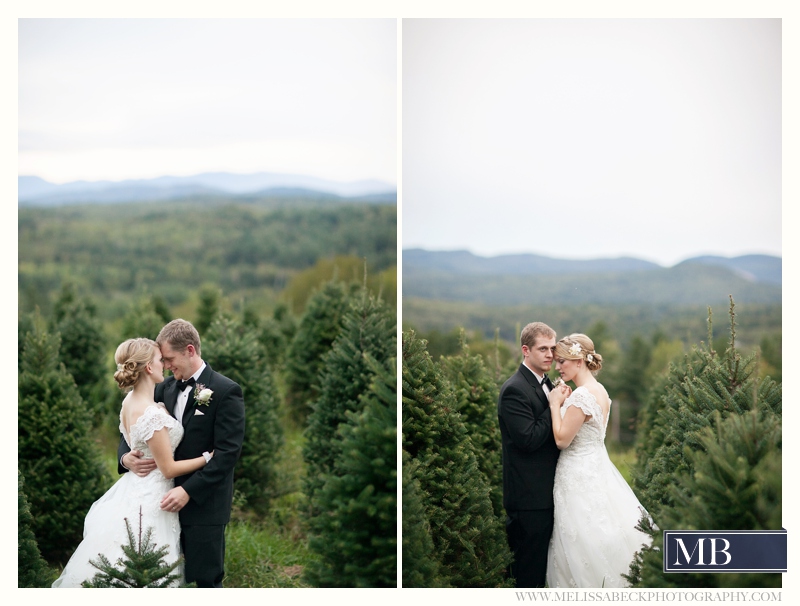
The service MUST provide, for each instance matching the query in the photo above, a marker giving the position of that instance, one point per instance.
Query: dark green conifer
(420, 566)
(683, 403)
(318, 329)
(32, 570)
(469, 540)
(208, 309)
(83, 350)
(275, 335)
(231, 349)
(733, 483)
(476, 400)
(355, 533)
(368, 330)
(143, 319)
(143, 564)
(57, 454)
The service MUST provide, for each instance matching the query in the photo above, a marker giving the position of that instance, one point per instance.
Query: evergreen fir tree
(469, 540)
(368, 330)
(143, 319)
(83, 350)
(683, 403)
(275, 335)
(57, 455)
(231, 349)
(733, 483)
(32, 570)
(476, 399)
(355, 534)
(318, 329)
(208, 309)
(420, 566)
(142, 565)
(24, 326)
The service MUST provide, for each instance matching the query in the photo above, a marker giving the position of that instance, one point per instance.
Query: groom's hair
(533, 331)
(179, 334)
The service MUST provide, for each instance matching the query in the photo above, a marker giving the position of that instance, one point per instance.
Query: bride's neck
(583, 378)
(144, 389)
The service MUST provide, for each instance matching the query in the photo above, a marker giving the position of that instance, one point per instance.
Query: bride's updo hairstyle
(578, 346)
(131, 357)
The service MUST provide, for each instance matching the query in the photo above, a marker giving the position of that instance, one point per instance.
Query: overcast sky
(585, 138)
(137, 98)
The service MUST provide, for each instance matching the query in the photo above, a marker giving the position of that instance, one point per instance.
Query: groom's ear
(190, 350)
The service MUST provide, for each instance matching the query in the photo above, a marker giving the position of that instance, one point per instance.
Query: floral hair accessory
(575, 349)
(590, 358)
(120, 367)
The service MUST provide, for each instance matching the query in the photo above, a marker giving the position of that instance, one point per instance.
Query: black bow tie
(184, 384)
(548, 382)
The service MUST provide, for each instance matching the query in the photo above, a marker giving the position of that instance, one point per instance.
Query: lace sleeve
(153, 419)
(583, 399)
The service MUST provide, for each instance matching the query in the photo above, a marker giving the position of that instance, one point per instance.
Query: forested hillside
(171, 250)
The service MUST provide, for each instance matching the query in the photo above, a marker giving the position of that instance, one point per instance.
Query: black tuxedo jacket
(218, 426)
(530, 453)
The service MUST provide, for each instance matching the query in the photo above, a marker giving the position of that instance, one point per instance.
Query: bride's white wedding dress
(104, 529)
(594, 536)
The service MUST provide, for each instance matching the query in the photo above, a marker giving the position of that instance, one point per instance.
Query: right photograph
(592, 303)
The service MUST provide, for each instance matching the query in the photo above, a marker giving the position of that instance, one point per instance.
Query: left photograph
(207, 303)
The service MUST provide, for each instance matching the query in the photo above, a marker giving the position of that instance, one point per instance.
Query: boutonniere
(558, 382)
(202, 395)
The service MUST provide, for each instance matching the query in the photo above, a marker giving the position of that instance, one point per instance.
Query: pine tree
(420, 566)
(208, 309)
(469, 540)
(368, 330)
(275, 335)
(476, 400)
(733, 483)
(57, 455)
(318, 329)
(231, 349)
(83, 350)
(142, 566)
(143, 319)
(355, 534)
(683, 403)
(32, 570)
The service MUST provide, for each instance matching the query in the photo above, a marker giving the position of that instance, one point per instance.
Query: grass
(623, 460)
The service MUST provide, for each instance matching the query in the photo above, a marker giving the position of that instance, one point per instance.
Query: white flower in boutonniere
(558, 382)
(575, 349)
(202, 395)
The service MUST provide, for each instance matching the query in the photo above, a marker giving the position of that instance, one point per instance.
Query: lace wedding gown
(104, 529)
(594, 535)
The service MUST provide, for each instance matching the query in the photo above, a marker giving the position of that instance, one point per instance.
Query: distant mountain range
(35, 191)
(535, 279)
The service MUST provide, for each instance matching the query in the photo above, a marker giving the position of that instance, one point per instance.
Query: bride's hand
(557, 396)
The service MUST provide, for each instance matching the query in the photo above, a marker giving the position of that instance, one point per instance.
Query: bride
(148, 427)
(594, 536)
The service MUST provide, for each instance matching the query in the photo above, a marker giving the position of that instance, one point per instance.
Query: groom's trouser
(204, 554)
(529, 535)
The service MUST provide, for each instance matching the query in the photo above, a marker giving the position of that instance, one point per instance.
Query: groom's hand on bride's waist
(175, 499)
(133, 461)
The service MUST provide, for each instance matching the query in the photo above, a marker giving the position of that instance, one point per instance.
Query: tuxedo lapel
(188, 412)
(534, 383)
(171, 397)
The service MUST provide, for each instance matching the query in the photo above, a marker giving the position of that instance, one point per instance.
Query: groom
(204, 497)
(529, 456)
